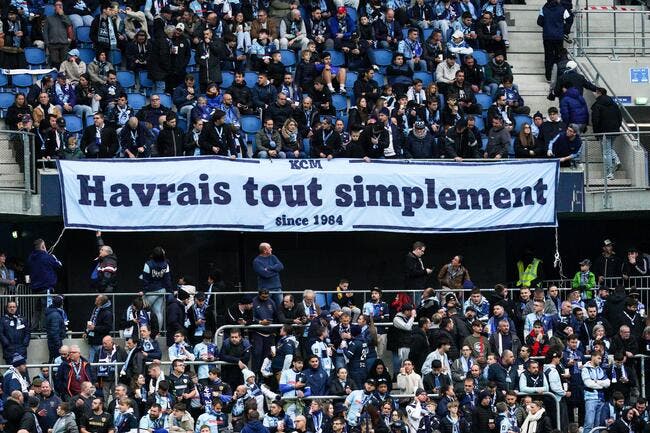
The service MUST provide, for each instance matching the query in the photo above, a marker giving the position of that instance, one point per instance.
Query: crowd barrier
(27, 300)
(118, 365)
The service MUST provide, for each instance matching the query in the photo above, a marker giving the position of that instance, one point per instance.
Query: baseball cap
(342, 10)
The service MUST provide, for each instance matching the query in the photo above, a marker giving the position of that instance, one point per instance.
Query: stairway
(526, 55)
(594, 158)
(11, 176)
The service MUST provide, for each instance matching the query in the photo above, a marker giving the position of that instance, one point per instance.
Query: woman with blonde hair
(291, 140)
(537, 420)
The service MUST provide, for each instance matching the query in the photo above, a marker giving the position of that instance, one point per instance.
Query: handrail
(612, 94)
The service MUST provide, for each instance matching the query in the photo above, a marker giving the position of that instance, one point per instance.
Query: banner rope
(557, 263)
(51, 250)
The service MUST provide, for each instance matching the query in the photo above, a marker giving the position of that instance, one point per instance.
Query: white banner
(213, 193)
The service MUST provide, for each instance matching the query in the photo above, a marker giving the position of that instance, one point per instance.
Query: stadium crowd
(326, 78)
(445, 357)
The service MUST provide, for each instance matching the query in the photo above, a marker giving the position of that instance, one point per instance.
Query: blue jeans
(276, 295)
(592, 414)
(263, 154)
(93, 350)
(156, 301)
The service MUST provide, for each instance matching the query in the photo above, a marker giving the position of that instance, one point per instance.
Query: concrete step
(613, 183)
(11, 184)
(11, 177)
(9, 168)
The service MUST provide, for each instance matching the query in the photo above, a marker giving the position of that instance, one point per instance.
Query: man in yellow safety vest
(530, 270)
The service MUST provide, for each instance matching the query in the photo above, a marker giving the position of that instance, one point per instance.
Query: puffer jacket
(574, 108)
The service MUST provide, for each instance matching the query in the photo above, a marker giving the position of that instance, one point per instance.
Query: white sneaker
(610, 176)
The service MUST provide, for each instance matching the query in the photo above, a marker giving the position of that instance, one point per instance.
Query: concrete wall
(617, 73)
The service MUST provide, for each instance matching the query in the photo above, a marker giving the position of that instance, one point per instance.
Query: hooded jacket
(574, 108)
(461, 144)
(606, 115)
(498, 142)
(55, 326)
(551, 19)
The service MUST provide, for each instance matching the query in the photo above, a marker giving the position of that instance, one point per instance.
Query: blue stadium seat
(484, 100)
(83, 35)
(35, 56)
(250, 124)
(48, 10)
(426, 78)
(127, 80)
(288, 58)
(166, 100)
(481, 56)
(87, 55)
(350, 78)
(338, 59)
(480, 123)
(380, 79)
(340, 103)
(227, 79)
(6, 101)
(145, 83)
(115, 57)
(381, 58)
(426, 33)
(22, 80)
(181, 122)
(251, 79)
(137, 100)
(520, 119)
(4, 80)
(73, 123)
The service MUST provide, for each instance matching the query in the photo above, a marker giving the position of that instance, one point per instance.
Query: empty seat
(35, 56)
(73, 123)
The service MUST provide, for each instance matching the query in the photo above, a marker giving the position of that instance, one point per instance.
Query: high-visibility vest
(526, 276)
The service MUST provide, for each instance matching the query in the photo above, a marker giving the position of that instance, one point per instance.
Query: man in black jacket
(461, 143)
(326, 142)
(216, 137)
(279, 111)
(606, 117)
(170, 139)
(374, 139)
(242, 96)
(99, 140)
(100, 324)
(416, 273)
(307, 117)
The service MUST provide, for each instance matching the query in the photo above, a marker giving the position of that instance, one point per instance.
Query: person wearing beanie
(16, 378)
(56, 322)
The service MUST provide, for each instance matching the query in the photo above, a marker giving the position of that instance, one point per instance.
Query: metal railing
(17, 152)
(622, 34)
